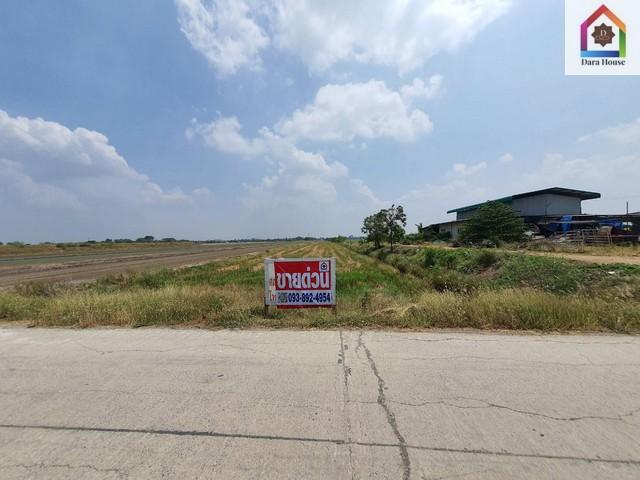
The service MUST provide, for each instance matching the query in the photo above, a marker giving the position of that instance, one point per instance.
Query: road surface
(90, 266)
(109, 404)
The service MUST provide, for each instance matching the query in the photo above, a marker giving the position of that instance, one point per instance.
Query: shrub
(430, 257)
(451, 281)
(487, 259)
(153, 279)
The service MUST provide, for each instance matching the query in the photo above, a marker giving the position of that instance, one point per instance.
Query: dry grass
(371, 293)
(603, 250)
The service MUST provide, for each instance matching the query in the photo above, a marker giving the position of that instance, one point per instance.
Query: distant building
(532, 206)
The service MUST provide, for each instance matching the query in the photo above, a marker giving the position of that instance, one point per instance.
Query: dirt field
(89, 266)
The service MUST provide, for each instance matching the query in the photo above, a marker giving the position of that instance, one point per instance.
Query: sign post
(300, 283)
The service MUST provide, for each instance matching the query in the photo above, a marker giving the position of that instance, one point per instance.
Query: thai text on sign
(300, 282)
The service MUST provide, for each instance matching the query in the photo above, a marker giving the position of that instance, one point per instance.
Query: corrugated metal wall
(547, 204)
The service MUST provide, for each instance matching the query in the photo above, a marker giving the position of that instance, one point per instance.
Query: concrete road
(108, 404)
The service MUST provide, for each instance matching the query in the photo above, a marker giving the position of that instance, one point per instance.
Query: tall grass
(413, 289)
(524, 309)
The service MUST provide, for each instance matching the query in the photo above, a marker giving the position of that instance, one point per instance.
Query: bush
(430, 257)
(451, 281)
(487, 259)
(549, 274)
(153, 279)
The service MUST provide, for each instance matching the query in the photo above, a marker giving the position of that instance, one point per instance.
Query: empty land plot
(409, 289)
(90, 264)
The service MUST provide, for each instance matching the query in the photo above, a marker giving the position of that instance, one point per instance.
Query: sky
(221, 119)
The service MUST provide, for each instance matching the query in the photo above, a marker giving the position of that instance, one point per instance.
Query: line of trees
(386, 225)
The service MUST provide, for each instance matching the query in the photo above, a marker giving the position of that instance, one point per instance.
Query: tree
(495, 222)
(146, 239)
(395, 220)
(374, 228)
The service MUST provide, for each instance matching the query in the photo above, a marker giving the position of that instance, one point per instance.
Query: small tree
(395, 220)
(494, 222)
(374, 228)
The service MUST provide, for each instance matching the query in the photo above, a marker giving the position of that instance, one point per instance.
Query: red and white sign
(300, 282)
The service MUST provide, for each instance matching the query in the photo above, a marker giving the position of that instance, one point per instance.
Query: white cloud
(224, 32)
(403, 34)
(16, 185)
(298, 174)
(47, 167)
(464, 170)
(418, 89)
(339, 113)
(224, 135)
(624, 134)
(429, 203)
(364, 110)
(300, 180)
(506, 158)
(363, 189)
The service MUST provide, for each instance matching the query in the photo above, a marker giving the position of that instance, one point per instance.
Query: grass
(467, 269)
(631, 250)
(412, 288)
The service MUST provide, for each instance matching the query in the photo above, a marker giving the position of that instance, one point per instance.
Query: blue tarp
(564, 225)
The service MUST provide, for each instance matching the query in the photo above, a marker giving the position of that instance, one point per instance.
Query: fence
(596, 236)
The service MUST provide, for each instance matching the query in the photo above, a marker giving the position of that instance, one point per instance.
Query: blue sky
(225, 119)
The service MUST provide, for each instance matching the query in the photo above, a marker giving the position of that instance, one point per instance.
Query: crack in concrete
(329, 440)
(346, 400)
(391, 418)
(187, 433)
(178, 433)
(487, 404)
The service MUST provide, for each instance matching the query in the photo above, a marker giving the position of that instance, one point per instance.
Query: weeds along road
(107, 404)
(90, 266)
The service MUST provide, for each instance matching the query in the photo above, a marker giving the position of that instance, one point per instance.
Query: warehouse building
(535, 207)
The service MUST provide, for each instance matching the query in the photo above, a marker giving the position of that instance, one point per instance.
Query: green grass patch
(411, 288)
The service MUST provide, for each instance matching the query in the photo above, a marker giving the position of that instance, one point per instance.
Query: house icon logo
(603, 34)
